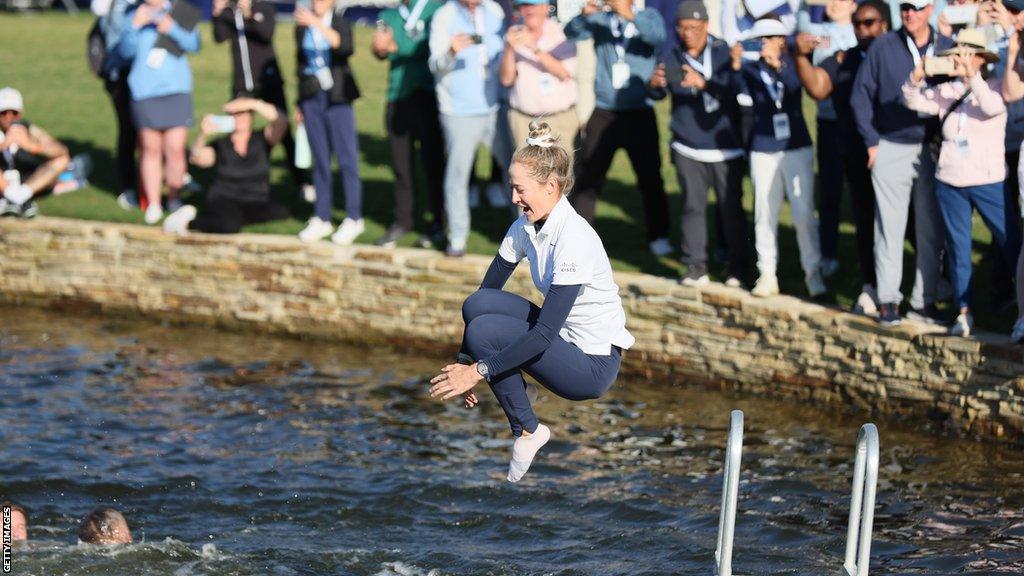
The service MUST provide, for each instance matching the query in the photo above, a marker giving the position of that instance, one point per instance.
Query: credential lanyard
(243, 49)
(318, 38)
(775, 88)
(703, 67)
(622, 34)
(479, 27)
(411, 18)
(915, 54)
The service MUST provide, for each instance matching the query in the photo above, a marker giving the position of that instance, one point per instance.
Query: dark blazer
(259, 34)
(344, 90)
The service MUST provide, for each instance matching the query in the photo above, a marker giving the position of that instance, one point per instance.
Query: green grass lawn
(44, 57)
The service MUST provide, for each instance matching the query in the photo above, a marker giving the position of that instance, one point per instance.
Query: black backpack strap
(952, 109)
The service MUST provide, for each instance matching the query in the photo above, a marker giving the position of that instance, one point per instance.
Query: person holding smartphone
(971, 167)
(627, 42)
(781, 159)
(160, 82)
(833, 79)
(327, 90)
(901, 163)
(240, 158)
(465, 49)
(538, 67)
(707, 147)
(833, 33)
(411, 116)
(249, 26)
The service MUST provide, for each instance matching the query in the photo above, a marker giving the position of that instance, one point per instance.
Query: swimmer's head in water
(104, 526)
(541, 173)
(19, 522)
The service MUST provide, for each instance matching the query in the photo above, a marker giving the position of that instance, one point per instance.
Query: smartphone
(939, 66)
(963, 14)
(477, 39)
(223, 123)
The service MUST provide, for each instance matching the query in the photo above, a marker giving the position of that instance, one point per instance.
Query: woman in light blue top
(161, 88)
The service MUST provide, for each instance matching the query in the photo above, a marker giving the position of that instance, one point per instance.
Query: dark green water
(233, 454)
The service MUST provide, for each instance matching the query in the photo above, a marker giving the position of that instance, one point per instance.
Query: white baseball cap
(766, 27)
(917, 4)
(10, 99)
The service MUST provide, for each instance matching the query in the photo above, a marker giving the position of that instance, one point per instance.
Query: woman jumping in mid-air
(573, 344)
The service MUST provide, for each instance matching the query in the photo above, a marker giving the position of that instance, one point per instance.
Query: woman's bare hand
(454, 380)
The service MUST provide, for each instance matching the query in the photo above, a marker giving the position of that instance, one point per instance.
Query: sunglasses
(910, 8)
(866, 22)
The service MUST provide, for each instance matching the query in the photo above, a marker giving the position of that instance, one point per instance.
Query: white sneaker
(153, 213)
(867, 301)
(815, 285)
(348, 231)
(177, 222)
(173, 204)
(128, 200)
(309, 193)
(661, 247)
(316, 229)
(766, 286)
(18, 194)
(829, 266)
(1017, 336)
(733, 282)
(496, 196)
(964, 325)
(474, 196)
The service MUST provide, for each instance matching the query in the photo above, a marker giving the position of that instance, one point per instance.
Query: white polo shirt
(568, 251)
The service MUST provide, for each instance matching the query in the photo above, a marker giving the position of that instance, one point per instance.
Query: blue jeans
(957, 204)
(332, 127)
(494, 320)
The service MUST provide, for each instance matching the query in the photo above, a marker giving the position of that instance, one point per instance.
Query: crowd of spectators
(919, 116)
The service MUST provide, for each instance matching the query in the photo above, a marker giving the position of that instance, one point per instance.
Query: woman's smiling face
(537, 199)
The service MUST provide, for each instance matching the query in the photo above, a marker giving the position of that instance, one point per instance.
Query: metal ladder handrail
(730, 490)
(862, 503)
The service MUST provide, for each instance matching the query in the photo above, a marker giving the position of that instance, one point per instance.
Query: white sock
(18, 194)
(523, 451)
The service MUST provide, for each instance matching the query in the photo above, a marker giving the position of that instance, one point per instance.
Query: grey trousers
(462, 135)
(902, 170)
(696, 179)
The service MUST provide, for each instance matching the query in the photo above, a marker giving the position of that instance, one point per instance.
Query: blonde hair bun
(545, 157)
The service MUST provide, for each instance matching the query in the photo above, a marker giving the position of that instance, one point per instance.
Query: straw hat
(972, 40)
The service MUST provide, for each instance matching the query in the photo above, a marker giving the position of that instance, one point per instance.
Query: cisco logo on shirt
(567, 268)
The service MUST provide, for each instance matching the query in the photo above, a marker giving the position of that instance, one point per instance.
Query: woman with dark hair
(240, 192)
(327, 90)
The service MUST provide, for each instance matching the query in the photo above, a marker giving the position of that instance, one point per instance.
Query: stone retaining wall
(781, 346)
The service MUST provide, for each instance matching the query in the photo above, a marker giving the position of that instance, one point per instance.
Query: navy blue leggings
(494, 320)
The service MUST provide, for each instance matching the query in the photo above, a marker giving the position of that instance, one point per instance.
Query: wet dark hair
(546, 158)
(99, 526)
(15, 508)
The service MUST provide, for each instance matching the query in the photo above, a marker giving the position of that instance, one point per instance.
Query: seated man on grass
(30, 159)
